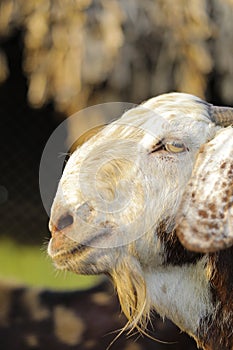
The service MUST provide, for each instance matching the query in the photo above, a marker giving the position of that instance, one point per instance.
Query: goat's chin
(76, 265)
(125, 271)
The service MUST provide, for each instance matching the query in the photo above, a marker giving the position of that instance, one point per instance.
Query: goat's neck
(196, 292)
(181, 294)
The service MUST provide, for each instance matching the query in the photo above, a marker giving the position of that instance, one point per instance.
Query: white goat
(159, 175)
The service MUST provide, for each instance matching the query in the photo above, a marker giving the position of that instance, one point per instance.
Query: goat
(148, 201)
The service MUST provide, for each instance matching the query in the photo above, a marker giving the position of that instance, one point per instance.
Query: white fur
(181, 294)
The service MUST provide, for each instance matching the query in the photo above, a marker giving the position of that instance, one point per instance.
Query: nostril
(64, 221)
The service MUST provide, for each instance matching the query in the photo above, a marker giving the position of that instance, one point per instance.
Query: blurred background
(60, 56)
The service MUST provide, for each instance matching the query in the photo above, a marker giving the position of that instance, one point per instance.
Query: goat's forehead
(178, 103)
(170, 116)
(149, 127)
(177, 110)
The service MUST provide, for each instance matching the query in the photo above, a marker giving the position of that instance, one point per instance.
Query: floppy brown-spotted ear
(205, 216)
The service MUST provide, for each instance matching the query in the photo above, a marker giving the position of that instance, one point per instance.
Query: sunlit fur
(120, 157)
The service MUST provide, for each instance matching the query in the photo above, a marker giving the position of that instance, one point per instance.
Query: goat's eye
(175, 147)
(172, 147)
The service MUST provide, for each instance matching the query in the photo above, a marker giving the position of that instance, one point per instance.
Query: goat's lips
(59, 244)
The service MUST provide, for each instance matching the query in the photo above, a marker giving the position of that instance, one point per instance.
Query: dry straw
(82, 52)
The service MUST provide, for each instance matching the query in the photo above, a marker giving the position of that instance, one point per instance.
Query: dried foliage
(79, 52)
(223, 49)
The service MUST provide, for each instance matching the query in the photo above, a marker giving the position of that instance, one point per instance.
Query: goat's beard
(130, 285)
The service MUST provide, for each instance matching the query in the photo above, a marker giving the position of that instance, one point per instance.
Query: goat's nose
(63, 222)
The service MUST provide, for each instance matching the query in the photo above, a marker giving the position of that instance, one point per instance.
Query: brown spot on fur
(225, 199)
(223, 165)
(221, 215)
(212, 206)
(213, 225)
(164, 289)
(203, 213)
(201, 149)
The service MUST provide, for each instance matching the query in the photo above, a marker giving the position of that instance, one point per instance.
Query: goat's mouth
(70, 256)
(62, 247)
(83, 252)
(65, 252)
(80, 258)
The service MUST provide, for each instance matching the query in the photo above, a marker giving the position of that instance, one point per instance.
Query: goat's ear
(205, 217)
